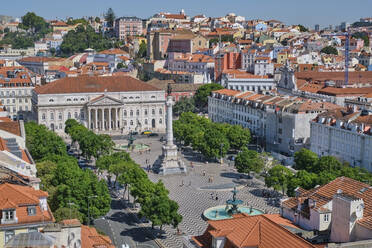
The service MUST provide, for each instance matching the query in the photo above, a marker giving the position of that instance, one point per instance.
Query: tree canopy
(302, 28)
(362, 35)
(184, 104)
(329, 50)
(201, 95)
(83, 37)
(35, 24)
(248, 161)
(110, 17)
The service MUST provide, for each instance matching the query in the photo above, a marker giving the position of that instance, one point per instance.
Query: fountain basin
(210, 213)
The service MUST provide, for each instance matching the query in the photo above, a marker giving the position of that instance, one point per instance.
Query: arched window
(146, 122)
(145, 112)
(60, 116)
(60, 125)
(137, 112)
(76, 115)
(125, 123)
(43, 116)
(160, 121)
(125, 113)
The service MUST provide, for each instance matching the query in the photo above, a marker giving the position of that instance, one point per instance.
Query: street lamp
(89, 197)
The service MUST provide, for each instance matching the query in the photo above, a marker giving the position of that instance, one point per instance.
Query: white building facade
(102, 104)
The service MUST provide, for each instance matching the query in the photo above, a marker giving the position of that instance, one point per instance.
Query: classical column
(88, 118)
(116, 118)
(109, 119)
(96, 119)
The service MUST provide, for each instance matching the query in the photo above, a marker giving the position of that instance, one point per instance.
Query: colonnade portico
(104, 118)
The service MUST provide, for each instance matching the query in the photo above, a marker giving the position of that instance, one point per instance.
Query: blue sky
(308, 12)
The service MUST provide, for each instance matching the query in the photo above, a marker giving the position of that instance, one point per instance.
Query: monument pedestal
(170, 163)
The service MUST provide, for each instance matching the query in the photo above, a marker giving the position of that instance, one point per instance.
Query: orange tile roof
(250, 231)
(91, 239)
(11, 127)
(333, 91)
(325, 193)
(19, 198)
(114, 51)
(354, 77)
(94, 84)
(227, 92)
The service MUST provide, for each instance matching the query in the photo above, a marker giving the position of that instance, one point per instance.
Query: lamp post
(92, 196)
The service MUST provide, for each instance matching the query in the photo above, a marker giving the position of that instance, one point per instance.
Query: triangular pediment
(104, 101)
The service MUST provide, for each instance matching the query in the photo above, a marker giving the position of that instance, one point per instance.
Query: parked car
(146, 132)
(153, 135)
(135, 133)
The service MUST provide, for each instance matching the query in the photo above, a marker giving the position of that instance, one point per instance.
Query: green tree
(362, 35)
(121, 65)
(83, 37)
(278, 177)
(41, 142)
(248, 161)
(216, 143)
(238, 136)
(184, 104)
(110, 17)
(97, 19)
(305, 160)
(142, 51)
(35, 24)
(327, 163)
(67, 214)
(201, 95)
(302, 28)
(329, 50)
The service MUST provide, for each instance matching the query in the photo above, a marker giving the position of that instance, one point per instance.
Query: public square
(205, 185)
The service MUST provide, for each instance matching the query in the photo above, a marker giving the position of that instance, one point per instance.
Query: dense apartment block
(345, 134)
(128, 26)
(282, 123)
(15, 91)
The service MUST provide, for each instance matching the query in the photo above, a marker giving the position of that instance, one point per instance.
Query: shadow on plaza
(143, 234)
(272, 197)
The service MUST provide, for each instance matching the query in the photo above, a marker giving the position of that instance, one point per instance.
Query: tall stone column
(169, 162)
(109, 118)
(169, 121)
(116, 118)
(96, 119)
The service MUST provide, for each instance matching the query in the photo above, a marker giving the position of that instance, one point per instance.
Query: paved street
(123, 227)
(193, 195)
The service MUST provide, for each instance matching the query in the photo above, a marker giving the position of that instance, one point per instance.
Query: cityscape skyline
(329, 12)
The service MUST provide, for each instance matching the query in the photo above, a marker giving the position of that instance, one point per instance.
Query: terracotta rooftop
(250, 231)
(333, 91)
(354, 77)
(87, 84)
(325, 193)
(11, 127)
(176, 87)
(90, 238)
(227, 92)
(20, 197)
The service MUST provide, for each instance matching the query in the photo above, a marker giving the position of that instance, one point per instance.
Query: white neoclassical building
(103, 104)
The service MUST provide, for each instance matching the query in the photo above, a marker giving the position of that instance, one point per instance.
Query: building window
(131, 113)
(146, 122)
(125, 123)
(131, 122)
(60, 125)
(76, 115)
(69, 115)
(280, 131)
(279, 140)
(153, 111)
(82, 115)
(326, 217)
(52, 116)
(160, 121)
(137, 112)
(125, 113)
(145, 112)
(51, 100)
(31, 211)
(160, 111)
(43, 116)
(8, 235)
(9, 215)
(60, 116)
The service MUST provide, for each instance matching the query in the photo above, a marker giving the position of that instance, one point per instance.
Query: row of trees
(90, 144)
(213, 140)
(312, 171)
(69, 187)
(153, 197)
